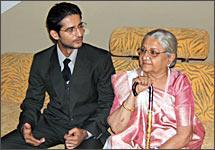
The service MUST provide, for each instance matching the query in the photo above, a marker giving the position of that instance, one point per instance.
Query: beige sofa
(193, 44)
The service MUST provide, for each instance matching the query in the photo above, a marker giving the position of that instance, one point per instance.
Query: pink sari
(171, 108)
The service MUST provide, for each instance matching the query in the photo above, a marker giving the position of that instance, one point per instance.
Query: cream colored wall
(23, 27)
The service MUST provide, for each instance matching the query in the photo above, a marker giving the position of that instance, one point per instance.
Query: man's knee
(90, 144)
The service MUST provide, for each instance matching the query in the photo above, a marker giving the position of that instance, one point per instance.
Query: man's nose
(79, 32)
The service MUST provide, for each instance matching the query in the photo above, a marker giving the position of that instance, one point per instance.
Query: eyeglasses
(152, 52)
(72, 30)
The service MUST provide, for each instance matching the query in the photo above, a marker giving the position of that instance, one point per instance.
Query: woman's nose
(146, 55)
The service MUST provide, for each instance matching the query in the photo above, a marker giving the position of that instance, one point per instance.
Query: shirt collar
(61, 56)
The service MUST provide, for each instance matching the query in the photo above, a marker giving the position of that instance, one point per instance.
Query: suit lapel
(56, 75)
(82, 64)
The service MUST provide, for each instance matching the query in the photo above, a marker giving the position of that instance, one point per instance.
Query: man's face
(71, 33)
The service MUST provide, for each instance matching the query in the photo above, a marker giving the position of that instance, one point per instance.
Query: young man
(77, 77)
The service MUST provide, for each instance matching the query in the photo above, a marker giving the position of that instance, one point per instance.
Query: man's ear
(54, 34)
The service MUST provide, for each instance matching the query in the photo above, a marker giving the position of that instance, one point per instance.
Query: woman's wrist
(131, 109)
(129, 104)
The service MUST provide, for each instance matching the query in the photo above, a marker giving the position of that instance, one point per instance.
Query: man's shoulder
(43, 56)
(46, 51)
(91, 49)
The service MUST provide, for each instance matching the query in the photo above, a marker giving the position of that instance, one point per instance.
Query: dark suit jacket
(90, 91)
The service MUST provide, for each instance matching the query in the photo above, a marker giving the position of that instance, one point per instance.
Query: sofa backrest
(192, 45)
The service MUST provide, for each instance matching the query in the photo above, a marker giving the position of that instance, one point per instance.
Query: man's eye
(70, 30)
(81, 26)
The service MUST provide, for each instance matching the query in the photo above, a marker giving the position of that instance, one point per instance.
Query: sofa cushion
(208, 142)
(9, 116)
(15, 69)
(201, 76)
(192, 43)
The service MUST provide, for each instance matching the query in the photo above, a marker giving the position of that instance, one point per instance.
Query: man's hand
(28, 136)
(74, 137)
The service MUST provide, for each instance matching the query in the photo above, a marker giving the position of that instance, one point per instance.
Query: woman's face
(153, 58)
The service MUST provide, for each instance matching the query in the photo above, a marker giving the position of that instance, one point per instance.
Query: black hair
(58, 12)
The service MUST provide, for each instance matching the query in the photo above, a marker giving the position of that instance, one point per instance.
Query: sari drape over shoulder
(172, 107)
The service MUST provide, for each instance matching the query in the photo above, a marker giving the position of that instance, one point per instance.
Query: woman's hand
(143, 83)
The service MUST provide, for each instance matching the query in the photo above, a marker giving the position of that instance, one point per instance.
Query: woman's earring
(168, 65)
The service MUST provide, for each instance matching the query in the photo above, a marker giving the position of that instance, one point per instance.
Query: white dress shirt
(72, 57)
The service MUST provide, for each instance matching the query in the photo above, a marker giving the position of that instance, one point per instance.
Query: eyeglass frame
(156, 53)
(81, 27)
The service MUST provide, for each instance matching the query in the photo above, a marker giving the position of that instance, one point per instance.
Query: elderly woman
(154, 105)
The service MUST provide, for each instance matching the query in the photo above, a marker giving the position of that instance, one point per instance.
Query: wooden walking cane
(149, 120)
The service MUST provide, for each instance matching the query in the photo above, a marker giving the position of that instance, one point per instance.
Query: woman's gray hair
(166, 39)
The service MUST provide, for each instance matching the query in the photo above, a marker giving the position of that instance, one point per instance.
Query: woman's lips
(147, 63)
